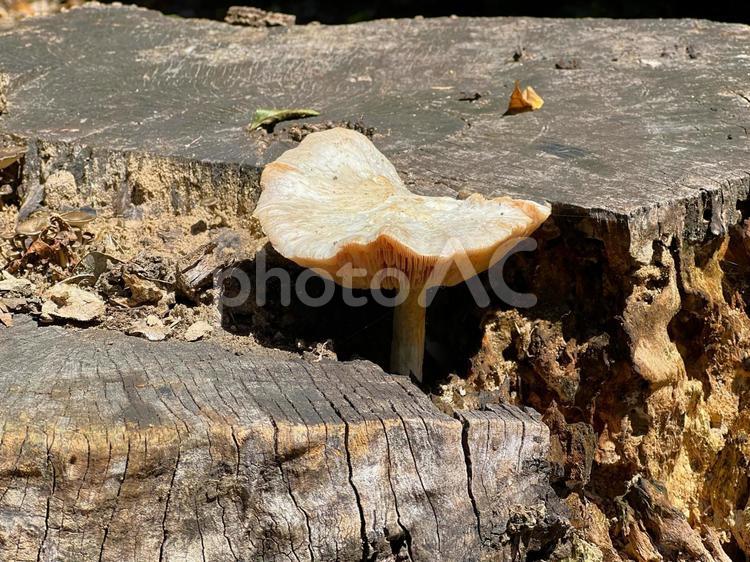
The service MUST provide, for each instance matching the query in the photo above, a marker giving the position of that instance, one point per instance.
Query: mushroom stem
(407, 343)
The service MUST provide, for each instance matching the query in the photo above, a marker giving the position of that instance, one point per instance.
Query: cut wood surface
(113, 448)
(645, 122)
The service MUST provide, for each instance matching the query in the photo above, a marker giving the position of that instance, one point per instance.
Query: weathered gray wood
(514, 434)
(650, 131)
(113, 448)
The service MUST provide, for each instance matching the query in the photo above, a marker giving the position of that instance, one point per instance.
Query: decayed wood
(255, 17)
(205, 265)
(3, 84)
(676, 539)
(113, 448)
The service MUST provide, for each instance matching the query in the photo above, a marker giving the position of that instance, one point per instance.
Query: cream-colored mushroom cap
(335, 201)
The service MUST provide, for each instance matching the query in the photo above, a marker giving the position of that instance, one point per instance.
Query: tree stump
(113, 448)
(116, 449)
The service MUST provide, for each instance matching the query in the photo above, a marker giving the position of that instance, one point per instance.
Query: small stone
(198, 330)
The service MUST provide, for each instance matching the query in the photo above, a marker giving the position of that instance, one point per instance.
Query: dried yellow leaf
(523, 100)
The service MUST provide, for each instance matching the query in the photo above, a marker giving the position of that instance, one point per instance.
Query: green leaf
(269, 117)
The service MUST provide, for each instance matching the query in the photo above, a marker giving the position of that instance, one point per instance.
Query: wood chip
(198, 330)
(255, 17)
(68, 302)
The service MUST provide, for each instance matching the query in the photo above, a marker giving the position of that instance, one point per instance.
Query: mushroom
(10, 155)
(335, 204)
(212, 204)
(79, 218)
(209, 202)
(31, 228)
(34, 225)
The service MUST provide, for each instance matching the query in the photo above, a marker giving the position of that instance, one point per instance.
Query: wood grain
(650, 130)
(114, 448)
